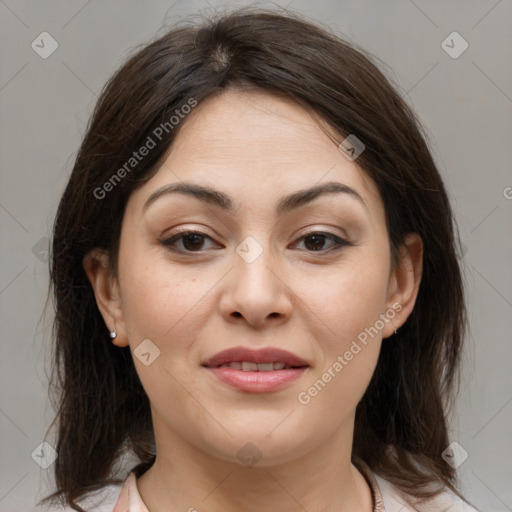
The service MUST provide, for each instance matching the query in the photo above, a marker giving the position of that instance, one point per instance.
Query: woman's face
(310, 276)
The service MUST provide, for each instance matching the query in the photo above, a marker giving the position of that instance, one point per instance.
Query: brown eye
(315, 242)
(191, 241)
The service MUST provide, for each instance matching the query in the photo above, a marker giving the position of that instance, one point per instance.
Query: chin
(251, 447)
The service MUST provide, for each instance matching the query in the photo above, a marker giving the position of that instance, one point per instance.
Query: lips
(256, 371)
(245, 359)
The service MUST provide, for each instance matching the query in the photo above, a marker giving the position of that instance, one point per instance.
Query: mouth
(247, 366)
(251, 360)
(250, 370)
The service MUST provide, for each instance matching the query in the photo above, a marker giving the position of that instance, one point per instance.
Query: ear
(404, 282)
(106, 291)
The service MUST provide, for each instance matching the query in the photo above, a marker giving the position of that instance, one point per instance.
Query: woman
(256, 283)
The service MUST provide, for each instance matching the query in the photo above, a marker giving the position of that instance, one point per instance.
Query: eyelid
(317, 230)
(305, 231)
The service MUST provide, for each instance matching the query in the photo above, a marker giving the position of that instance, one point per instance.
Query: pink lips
(255, 380)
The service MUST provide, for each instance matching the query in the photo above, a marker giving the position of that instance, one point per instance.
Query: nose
(256, 292)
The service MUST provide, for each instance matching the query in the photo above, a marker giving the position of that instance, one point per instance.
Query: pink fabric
(378, 502)
(129, 498)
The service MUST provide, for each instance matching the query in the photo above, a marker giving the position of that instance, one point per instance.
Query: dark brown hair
(102, 411)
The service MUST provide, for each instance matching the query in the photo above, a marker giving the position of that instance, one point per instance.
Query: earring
(113, 333)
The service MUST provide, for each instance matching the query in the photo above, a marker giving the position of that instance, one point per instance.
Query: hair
(101, 407)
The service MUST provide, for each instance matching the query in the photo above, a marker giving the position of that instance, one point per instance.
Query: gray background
(465, 103)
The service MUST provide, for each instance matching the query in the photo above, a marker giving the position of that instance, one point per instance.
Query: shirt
(386, 498)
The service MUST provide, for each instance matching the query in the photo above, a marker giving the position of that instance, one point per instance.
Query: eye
(190, 241)
(314, 242)
(193, 241)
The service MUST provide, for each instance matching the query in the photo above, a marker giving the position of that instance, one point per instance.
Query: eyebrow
(285, 204)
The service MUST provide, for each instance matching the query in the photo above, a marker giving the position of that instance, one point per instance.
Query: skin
(255, 147)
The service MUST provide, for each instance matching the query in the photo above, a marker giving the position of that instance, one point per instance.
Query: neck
(185, 478)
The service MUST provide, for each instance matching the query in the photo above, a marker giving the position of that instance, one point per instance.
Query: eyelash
(339, 242)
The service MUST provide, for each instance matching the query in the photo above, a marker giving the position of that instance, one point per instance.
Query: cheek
(350, 345)
(347, 298)
(158, 297)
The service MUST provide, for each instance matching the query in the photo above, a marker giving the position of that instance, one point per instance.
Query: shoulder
(447, 501)
(101, 501)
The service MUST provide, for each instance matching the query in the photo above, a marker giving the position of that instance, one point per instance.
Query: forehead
(255, 142)
(253, 126)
